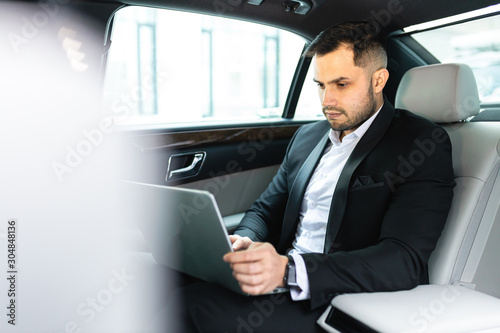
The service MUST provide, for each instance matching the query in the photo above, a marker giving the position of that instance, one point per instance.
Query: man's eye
(321, 85)
(341, 85)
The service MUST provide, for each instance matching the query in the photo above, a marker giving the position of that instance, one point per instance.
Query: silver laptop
(185, 231)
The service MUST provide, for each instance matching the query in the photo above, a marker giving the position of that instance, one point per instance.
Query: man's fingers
(255, 268)
(251, 283)
(250, 255)
(247, 268)
(234, 238)
(239, 257)
(240, 243)
(248, 279)
(254, 284)
(253, 290)
(237, 244)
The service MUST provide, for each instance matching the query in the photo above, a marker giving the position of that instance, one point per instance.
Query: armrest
(427, 308)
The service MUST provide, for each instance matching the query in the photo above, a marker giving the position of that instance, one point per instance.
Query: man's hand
(240, 243)
(259, 269)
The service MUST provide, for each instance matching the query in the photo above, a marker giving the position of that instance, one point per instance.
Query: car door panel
(235, 164)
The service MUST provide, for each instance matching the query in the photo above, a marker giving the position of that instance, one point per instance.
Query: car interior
(207, 94)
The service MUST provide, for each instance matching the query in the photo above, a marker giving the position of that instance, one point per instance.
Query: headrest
(442, 93)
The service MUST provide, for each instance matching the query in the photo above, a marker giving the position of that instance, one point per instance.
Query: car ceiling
(389, 15)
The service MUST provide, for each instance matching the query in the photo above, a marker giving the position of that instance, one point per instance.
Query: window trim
(296, 85)
(439, 26)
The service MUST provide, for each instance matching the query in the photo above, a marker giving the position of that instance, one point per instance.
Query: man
(357, 205)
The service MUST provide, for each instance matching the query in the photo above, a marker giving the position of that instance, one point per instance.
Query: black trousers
(206, 307)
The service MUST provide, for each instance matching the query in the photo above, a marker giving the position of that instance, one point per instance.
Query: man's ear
(379, 79)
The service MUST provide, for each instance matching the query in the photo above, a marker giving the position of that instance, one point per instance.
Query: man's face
(345, 90)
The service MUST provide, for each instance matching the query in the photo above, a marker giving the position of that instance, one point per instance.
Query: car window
(171, 67)
(309, 106)
(475, 43)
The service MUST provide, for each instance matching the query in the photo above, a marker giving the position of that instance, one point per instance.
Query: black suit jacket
(388, 208)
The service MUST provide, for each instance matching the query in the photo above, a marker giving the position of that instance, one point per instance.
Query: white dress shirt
(315, 208)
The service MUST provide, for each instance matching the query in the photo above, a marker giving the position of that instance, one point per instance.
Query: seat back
(467, 249)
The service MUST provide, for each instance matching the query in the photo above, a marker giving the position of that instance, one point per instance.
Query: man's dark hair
(367, 45)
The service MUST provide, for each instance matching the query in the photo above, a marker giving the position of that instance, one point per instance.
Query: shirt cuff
(301, 292)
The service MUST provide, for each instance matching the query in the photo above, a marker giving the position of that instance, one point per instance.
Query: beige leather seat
(464, 268)
(466, 252)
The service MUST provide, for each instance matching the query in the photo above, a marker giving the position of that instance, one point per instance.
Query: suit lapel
(363, 148)
(297, 193)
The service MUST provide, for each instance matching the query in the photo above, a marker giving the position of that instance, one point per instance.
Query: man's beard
(364, 112)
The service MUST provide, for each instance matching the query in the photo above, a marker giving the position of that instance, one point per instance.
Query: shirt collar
(358, 133)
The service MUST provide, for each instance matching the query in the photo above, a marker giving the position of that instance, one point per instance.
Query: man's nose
(328, 97)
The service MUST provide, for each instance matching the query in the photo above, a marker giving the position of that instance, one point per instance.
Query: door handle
(179, 172)
(177, 169)
(301, 7)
